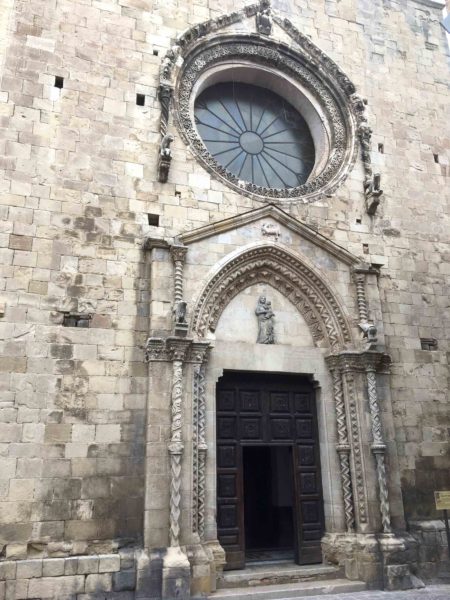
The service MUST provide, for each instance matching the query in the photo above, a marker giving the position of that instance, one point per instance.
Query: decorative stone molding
(283, 271)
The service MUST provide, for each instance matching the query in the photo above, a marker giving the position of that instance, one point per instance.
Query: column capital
(178, 252)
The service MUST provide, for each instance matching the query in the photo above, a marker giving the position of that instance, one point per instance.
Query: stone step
(277, 574)
(287, 591)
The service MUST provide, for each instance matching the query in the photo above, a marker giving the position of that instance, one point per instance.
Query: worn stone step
(290, 590)
(277, 574)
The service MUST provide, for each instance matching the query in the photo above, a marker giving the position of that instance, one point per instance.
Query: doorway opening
(269, 490)
(268, 503)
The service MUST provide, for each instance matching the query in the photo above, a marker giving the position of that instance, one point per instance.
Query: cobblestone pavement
(431, 592)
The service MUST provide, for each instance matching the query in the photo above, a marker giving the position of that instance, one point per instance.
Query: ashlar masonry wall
(78, 181)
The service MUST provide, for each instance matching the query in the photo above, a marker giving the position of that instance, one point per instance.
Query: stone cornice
(281, 217)
(176, 349)
(368, 360)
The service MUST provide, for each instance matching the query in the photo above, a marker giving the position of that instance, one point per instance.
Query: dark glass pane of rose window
(255, 134)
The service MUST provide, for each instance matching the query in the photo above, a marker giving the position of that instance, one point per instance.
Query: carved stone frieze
(275, 266)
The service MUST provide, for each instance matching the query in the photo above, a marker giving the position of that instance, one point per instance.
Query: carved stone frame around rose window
(282, 61)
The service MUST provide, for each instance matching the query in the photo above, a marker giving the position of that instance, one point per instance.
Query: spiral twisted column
(378, 448)
(343, 449)
(360, 282)
(178, 253)
(200, 447)
(177, 351)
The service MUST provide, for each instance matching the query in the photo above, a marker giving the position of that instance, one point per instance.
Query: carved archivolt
(283, 271)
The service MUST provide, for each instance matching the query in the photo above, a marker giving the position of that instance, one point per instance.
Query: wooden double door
(269, 490)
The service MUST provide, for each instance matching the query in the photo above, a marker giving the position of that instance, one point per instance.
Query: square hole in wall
(366, 248)
(153, 219)
(140, 99)
(358, 221)
(381, 148)
(155, 52)
(75, 320)
(436, 158)
(428, 344)
(59, 82)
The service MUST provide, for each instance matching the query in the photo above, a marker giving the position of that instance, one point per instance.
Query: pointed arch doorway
(269, 491)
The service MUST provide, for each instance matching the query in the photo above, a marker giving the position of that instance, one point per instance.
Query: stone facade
(107, 404)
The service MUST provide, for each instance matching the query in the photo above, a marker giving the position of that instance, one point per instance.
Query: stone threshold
(273, 573)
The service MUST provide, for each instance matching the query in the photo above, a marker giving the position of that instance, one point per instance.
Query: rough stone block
(99, 583)
(87, 564)
(109, 563)
(28, 569)
(124, 581)
(53, 567)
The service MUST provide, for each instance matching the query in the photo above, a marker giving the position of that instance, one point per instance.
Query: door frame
(305, 387)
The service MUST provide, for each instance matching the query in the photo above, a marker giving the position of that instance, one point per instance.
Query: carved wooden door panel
(230, 501)
(268, 410)
(308, 482)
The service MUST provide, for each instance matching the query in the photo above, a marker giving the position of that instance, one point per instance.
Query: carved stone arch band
(286, 272)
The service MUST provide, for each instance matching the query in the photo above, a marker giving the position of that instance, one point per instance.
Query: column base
(381, 561)
(176, 575)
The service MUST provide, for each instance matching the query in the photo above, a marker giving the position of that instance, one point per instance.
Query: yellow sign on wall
(442, 500)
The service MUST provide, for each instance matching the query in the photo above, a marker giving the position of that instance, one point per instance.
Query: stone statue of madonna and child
(265, 316)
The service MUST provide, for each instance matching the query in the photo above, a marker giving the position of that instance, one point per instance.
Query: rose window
(255, 135)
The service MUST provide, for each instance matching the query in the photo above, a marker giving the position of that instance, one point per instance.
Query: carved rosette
(283, 271)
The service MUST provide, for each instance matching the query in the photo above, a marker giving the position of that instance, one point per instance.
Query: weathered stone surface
(82, 458)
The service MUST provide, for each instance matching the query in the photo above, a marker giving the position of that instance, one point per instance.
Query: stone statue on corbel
(264, 18)
(373, 193)
(165, 153)
(372, 181)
